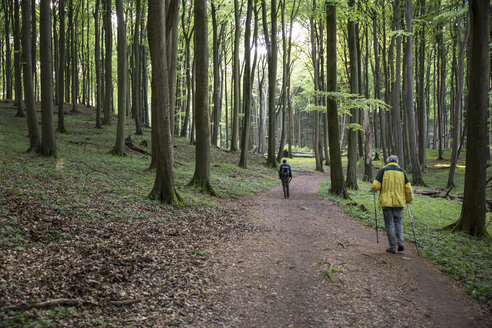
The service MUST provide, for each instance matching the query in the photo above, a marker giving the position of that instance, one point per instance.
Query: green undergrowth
(464, 258)
(85, 180)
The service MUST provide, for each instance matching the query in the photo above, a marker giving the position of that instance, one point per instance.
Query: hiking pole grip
(376, 218)
(413, 230)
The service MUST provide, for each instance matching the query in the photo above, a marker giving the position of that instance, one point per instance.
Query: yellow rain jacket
(395, 189)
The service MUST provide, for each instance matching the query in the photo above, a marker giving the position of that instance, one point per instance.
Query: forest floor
(307, 264)
(82, 246)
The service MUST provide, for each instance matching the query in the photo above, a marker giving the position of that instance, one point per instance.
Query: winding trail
(273, 276)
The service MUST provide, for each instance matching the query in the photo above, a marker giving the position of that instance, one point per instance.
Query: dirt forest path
(271, 276)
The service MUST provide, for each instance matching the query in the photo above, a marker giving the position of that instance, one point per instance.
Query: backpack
(285, 172)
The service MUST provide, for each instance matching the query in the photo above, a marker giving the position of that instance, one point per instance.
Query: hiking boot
(401, 248)
(391, 250)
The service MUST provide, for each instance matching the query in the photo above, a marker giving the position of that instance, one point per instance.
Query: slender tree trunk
(473, 211)
(201, 177)
(164, 189)
(235, 74)
(17, 62)
(421, 97)
(73, 42)
(119, 148)
(48, 141)
(336, 170)
(395, 92)
(458, 105)
(97, 60)
(136, 86)
(32, 119)
(215, 97)
(416, 173)
(351, 181)
(243, 161)
(7, 5)
(61, 70)
(108, 95)
(271, 44)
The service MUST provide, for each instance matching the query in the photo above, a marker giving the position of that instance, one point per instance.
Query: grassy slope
(86, 200)
(463, 258)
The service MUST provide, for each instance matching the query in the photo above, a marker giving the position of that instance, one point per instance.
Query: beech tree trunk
(271, 44)
(336, 170)
(32, 118)
(108, 94)
(243, 161)
(235, 75)
(61, 70)
(48, 141)
(136, 86)
(201, 177)
(17, 62)
(351, 181)
(473, 211)
(119, 148)
(416, 173)
(97, 61)
(164, 189)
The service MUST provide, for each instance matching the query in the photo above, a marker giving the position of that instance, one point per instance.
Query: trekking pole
(376, 217)
(413, 230)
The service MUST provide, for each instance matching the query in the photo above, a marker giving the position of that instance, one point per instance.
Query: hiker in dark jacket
(285, 174)
(395, 192)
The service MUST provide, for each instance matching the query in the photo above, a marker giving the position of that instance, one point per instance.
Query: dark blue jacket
(287, 166)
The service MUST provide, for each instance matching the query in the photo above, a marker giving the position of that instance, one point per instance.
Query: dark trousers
(285, 187)
(392, 221)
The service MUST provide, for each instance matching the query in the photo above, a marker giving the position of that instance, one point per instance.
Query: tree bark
(17, 62)
(136, 86)
(48, 141)
(7, 5)
(243, 161)
(473, 211)
(336, 170)
(108, 95)
(164, 189)
(351, 181)
(271, 44)
(32, 119)
(97, 60)
(61, 70)
(201, 177)
(119, 148)
(416, 173)
(235, 74)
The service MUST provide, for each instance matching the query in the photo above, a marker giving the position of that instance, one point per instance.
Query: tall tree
(409, 108)
(216, 72)
(61, 69)
(235, 75)
(351, 181)
(271, 45)
(32, 119)
(97, 60)
(108, 94)
(201, 177)
(336, 170)
(48, 141)
(187, 31)
(119, 148)
(395, 90)
(7, 5)
(164, 189)
(17, 62)
(136, 103)
(243, 161)
(473, 211)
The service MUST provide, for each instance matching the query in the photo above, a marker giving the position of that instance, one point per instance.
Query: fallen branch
(126, 302)
(129, 144)
(437, 194)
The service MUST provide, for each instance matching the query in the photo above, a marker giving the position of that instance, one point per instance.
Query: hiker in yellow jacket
(395, 192)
